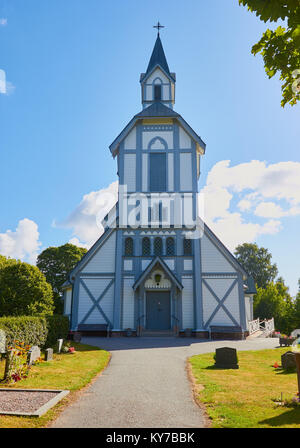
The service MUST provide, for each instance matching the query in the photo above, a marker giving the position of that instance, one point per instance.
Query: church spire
(158, 57)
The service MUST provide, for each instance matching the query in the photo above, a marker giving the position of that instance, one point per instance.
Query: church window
(158, 172)
(146, 247)
(170, 248)
(157, 92)
(128, 247)
(187, 247)
(158, 247)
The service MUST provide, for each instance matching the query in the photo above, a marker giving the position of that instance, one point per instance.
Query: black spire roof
(158, 57)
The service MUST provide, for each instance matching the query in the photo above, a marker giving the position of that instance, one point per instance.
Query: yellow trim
(158, 121)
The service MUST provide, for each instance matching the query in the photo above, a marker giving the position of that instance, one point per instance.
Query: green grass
(66, 371)
(243, 398)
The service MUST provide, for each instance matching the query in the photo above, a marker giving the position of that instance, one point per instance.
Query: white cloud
(6, 87)
(23, 243)
(3, 21)
(254, 184)
(85, 220)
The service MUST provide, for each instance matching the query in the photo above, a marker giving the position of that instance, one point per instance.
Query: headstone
(48, 354)
(2, 341)
(226, 358)
(288, 361)
(33, 354)
(59, 345)
(77, 337)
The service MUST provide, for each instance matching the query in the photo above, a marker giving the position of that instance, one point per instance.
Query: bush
(24, 291)
(57, 328)
(35, 330)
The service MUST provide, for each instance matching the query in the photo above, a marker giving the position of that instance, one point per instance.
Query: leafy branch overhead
(280, 48)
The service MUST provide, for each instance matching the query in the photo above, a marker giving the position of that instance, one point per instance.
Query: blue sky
(72, 76)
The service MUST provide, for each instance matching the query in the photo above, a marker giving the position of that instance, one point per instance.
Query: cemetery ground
(67, 371)
(246, 397)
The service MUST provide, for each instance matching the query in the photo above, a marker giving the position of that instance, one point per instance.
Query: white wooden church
(147, 274)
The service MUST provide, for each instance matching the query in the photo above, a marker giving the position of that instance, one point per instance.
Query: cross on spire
(158, 26)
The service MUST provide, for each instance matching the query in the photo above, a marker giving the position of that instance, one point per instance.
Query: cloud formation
(23, 243)
(265, 193)
(6, 87)
(85, 220)
(3, 21)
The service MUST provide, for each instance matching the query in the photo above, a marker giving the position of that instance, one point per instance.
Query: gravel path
(145, 384)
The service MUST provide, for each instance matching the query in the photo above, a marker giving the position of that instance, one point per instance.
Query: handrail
(139, 324)
(177, 326)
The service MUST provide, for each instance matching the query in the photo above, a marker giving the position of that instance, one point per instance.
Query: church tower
(158, 268)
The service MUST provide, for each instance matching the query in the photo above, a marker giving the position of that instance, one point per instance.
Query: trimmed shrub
(57, 328)
(35, 330)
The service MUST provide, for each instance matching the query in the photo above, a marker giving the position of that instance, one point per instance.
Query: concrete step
(157, 333)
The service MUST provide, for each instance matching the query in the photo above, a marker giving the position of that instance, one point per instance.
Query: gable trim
(164, 266)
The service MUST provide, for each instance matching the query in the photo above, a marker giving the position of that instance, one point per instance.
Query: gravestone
(59, 345)
(2, 342)
(226, 358)
(48, 354)
(33, 354)
(288, 361)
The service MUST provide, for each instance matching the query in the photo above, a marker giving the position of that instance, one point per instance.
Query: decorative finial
(158, 26)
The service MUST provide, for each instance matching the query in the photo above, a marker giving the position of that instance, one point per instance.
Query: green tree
(55, 263)
(24, 291)
(280, 48)
(257, 262)
(275, 301)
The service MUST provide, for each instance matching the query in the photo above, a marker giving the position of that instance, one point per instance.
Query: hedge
(35, 330)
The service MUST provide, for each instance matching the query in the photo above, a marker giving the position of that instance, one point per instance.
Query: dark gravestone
(33, 354)
(2, 342)
(226, 358)
(48, 354)
(288, 361)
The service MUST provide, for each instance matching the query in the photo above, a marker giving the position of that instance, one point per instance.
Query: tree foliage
(55, 263)
(275, 301)
(24, 290)
(280, 48)
(257, 262)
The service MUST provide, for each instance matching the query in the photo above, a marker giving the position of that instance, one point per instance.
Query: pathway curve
(145, 384)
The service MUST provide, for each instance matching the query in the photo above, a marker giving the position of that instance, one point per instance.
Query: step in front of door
(157, 333)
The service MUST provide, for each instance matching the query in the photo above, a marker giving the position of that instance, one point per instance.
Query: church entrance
(158, 310)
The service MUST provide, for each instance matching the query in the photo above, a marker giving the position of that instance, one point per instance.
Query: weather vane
(158, 26)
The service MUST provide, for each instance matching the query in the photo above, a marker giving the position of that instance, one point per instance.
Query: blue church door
(158, 311)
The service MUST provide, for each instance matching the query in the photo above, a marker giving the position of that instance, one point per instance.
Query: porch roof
(164, 266)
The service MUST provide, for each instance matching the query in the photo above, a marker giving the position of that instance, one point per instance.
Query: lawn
(243, 398)
(66, 371)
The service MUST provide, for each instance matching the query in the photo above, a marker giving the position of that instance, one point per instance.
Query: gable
(212, 259)
(103, 260)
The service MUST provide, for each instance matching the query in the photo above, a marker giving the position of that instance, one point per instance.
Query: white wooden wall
(128, 303)
(68, 301)
(104, 259)
(212, 258)
(187, 303)
(220, 285)
(96, 286)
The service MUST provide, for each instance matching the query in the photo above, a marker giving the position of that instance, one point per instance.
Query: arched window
(170, 247)
(187, 246)
(157, 92)
(158, 246)
(146, 246)
(128, 247)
